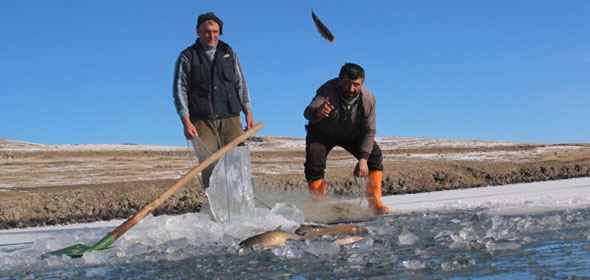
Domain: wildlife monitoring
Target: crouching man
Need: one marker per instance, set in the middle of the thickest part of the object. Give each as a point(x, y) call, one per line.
point(343, 114)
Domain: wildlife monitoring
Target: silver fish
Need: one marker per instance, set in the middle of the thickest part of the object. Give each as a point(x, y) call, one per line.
point(309, 229)
point(348, 229)
point(270, 238)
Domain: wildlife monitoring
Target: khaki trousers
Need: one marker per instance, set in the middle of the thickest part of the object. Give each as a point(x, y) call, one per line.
point(214, 134)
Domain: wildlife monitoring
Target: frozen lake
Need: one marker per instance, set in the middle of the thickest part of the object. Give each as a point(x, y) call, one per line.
point(522, 231)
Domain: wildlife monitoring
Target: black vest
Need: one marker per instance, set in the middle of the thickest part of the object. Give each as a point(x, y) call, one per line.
point(213, 86)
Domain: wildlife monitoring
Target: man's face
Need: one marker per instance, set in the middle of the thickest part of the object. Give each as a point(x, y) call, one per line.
point(208, 32)
point(350, 88)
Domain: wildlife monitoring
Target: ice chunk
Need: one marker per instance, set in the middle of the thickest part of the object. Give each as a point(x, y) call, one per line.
point(442, 235)
point(95, 257)
point(323, 248)
point(408, 238)
point(366, 243)
point(502, 246)
point(292, 249)
point(468, 234)
point(230, 191)
point(458, 242)
point(414, 264)
point(459, 264)
point(288, 211)
point(175, 245)
point(447, 266)
point(355, 258)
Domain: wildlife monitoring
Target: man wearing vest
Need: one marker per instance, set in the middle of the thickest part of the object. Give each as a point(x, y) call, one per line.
point(210, 91)
point(343, 114)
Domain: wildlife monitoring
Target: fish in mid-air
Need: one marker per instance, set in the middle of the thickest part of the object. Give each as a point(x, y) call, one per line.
point(322, 29)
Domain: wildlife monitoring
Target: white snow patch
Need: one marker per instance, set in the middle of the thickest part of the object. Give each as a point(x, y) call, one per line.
point(512, 199)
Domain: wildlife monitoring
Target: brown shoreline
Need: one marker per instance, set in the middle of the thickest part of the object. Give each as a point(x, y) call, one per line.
point(118, 194)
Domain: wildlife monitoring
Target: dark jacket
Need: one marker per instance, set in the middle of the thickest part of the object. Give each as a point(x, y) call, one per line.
point(359, 122)
point(212, 87)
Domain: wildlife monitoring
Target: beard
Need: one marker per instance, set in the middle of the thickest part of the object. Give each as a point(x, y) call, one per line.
point(350, 94)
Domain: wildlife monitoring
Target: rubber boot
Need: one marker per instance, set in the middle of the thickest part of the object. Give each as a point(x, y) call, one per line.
point(317, 189)
point(374, 192)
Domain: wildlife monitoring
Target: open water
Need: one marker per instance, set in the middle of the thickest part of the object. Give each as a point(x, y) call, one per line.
point(469, 244)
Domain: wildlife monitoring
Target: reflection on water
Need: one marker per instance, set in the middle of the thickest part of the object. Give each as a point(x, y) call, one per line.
point(470, 244)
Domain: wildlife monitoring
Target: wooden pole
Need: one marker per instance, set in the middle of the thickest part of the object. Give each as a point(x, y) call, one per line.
point(120, 230)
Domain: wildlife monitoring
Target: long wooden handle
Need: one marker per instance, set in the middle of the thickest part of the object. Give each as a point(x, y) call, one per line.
point(124, 227)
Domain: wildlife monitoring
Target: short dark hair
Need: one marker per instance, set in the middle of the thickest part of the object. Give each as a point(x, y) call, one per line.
point(352, 71)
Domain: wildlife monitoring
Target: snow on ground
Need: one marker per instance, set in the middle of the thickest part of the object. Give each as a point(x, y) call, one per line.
point(516, 199)
point(419, 142)
point(271, 142)
point(90, 147)
point(512, 199)
point(78, 169)
point(279, 143)
point(490, 156)
point(276, 143)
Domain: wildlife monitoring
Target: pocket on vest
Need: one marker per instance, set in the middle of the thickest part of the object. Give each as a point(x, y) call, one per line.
point(234, 103)
point(199, 103)
point(228, 73)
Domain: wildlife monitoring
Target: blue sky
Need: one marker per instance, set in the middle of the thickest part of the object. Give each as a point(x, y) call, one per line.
point(101, 71)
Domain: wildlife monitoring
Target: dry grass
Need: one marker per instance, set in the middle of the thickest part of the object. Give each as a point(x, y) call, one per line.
point(72, 183)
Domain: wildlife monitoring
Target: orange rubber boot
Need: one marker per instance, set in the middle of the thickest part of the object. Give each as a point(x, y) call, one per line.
point(317, 189)
point(374, 192)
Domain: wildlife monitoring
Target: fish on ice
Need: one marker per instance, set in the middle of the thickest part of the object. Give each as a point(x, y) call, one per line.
point(279, 238)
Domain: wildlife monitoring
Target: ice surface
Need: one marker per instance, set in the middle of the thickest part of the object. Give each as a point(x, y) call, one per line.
point(515, 199)
point(420, 237)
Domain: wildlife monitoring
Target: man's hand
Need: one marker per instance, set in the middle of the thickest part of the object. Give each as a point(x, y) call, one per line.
point(361, 169)
point(249, 119)
point(190, 131)
point(325, 109)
